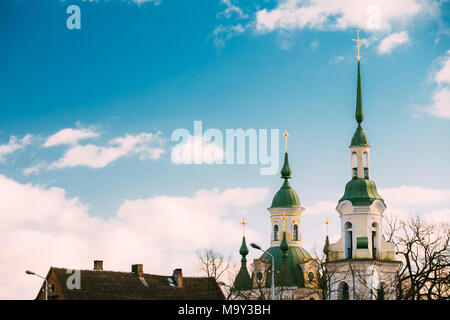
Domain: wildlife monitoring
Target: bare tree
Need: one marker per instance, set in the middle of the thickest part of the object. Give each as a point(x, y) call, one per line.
point(213, 264)
point(425, 253)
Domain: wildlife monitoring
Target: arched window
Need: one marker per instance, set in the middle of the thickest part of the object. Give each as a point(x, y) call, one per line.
point(343, 291)
point(380, 291)
point(295, 232)
point(348, 241)
point(354, 164)
point(366, 165)
point(311, 277)
point(259, 277)
point(374, 239)
point(276, 235)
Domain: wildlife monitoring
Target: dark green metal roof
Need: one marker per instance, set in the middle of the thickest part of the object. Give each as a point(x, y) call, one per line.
point(295, 256)
point(326, 247)
point(286, 196)
point(359, 138)
point(359, 114)
point(243, 280)
point(361, 191)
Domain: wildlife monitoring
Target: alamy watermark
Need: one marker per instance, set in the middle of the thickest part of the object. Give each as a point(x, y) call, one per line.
point(236, 146)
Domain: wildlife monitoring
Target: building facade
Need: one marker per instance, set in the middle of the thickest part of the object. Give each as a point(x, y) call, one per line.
point(361, 265)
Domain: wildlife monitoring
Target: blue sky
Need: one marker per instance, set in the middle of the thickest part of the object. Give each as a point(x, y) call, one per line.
point(151, 67)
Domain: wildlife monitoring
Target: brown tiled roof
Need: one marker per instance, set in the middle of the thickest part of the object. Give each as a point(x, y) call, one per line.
point(112, 285)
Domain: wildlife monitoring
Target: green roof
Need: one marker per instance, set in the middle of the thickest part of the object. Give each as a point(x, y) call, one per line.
point(361, 191)
point(286, 196)
point(295, 256)
point(243, 281)
point(359, 138)
point(326, 247)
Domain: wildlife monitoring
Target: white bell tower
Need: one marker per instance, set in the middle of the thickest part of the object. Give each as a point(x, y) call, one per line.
point(361, 264)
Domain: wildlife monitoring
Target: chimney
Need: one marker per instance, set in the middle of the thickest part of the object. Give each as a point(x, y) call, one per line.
point(178, 277)
point(98, 265)
point(138, 269)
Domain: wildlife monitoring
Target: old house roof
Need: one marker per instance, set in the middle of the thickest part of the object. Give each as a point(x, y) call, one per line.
point(113, 285)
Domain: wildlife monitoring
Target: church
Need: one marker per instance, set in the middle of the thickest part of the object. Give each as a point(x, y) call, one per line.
point(361, 265)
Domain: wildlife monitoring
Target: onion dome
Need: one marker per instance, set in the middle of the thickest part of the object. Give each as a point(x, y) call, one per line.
point(361, 191)
point(286, 196)
point(243, 280)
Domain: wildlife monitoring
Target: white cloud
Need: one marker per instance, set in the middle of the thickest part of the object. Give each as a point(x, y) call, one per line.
point(406, 200)
point(392, 41)
point(443, 75)
point(231, 10)
point(70, 136)
point(339, 15)
point(336, 59)
point(35, 169)
point(100, 156)
point(41, 227)
point(321, 207)
point(139, 2)
point(314, 45)
point(223, 33)
point(197, 151)
point(13, 145)
point(440, 106)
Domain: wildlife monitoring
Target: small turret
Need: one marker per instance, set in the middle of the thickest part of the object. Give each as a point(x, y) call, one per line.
point(243, 280)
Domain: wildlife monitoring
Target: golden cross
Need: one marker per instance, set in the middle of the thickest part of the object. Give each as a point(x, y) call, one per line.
point(358, 42)
point(286, 135)
point(284, 221)
point(243, 222)
point(327, 223)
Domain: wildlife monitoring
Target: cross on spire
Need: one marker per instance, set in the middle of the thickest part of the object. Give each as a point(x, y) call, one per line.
point(358, 42)
point(327, 223)
point(243, 222)
point(286, 135)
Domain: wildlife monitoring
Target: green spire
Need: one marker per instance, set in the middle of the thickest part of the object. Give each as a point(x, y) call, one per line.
point(286, 196)
point(284, 246)
point(359, 138)
point(243, 251)
point(326, 247)
point(243, 280)
point(286, 170)
point(359, 114)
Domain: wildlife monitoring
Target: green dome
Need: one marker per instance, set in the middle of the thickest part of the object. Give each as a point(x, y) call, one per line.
point(361, 192)
point(243, 280)
point(359, 138)
point(295, 256)
point(243, 251)
point(286, 196)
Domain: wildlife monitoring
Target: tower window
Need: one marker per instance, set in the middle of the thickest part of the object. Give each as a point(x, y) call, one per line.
point(276, 233)
point(259, 277)
point(354, 164)
point(366, 165)
point(374, 240)
point(295, 232)
point(311, 277)
point(348, 241)
point(380, 292)
point(343, 291)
